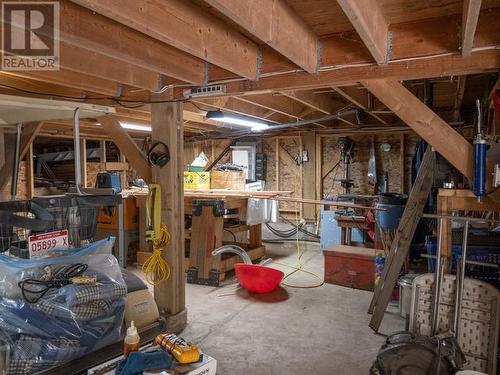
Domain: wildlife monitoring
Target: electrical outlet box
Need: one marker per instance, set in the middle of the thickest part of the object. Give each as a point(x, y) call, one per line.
point(204, 91)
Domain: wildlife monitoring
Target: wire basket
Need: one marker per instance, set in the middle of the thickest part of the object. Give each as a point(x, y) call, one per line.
point(77, 214)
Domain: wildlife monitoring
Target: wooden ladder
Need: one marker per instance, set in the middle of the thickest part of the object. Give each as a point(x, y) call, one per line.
point(402, 239)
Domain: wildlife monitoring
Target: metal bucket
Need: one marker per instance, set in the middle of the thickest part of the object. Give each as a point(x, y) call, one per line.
point(405, 290)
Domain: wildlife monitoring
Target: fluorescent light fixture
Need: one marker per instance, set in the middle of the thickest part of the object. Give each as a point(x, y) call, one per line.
point(138, 127)
point(254, 124)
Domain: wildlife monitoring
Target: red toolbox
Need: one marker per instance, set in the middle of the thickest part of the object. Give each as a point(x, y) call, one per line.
point(350, 266)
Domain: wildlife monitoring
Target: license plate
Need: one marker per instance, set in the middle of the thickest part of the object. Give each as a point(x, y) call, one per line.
point(41, 244)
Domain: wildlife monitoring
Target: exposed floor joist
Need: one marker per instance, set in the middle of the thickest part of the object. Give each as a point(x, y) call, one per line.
point(187, 27)
point(367, 18)
point(94, 32)
point(471, 11)
point(274, 23)
point(275, 103)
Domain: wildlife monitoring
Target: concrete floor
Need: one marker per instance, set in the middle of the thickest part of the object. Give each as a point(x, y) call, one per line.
point(290, 331)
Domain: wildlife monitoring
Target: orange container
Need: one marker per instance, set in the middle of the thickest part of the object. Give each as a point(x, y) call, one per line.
point(108, 216)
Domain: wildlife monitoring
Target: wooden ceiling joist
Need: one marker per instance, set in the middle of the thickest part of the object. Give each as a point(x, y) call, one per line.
point(275, 103)
point(367, 18)
point(470, 16)
point(93, 32)
point(316, 102)
point(62, 77)
point(187, 27)
point(234, 106)
point(358, 104)
point(276, 24)
point(459, 98)
point(96, 64)
point(436, 66)
point(427, 124)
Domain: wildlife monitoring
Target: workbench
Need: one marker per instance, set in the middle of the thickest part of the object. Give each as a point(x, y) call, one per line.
point(207, 212)
point(346, 223)
point(207, 232)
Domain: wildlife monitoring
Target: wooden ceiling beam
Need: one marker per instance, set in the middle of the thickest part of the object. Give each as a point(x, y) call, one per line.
point(276, 24)
point(427, 124)
point(320, 103)
point(345, 94)
point(438, 66)
point(420, 39)
point(367, 18)
point(96, 64)
point(470, 16)
point(75, 84)
point(127, 146)
point(277, 104)
point(83, 28)
point(459, 98)
point(187, 27)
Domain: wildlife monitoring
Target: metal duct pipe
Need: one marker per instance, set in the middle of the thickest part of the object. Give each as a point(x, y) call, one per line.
point(311, 121)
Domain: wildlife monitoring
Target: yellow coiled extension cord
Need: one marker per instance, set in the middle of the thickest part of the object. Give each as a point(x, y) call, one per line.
point(156, 268)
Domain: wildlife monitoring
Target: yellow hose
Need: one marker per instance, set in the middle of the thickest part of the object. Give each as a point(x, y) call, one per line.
point(156, 268)
point(298, 267)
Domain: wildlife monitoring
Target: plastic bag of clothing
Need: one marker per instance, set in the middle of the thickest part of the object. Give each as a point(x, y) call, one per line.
point(45, 320)
point(260, 211)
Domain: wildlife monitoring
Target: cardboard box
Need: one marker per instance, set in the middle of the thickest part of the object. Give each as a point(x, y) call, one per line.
point(232, 180)
point(197, 180)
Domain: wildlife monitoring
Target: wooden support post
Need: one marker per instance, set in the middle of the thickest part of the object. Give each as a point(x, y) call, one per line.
point(167, 126)
point(123, 174)
point(29, 133)
point(206, 235)
point(30, 174)
point(255, 239)
point(83, 161)
point(402, 162)
point(277, 156)
point(319, 172)
point(102, 151)
point(309, 174)
point(444, 208)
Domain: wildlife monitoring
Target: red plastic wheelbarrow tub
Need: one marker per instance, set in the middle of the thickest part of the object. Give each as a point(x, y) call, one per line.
point(258, 279)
